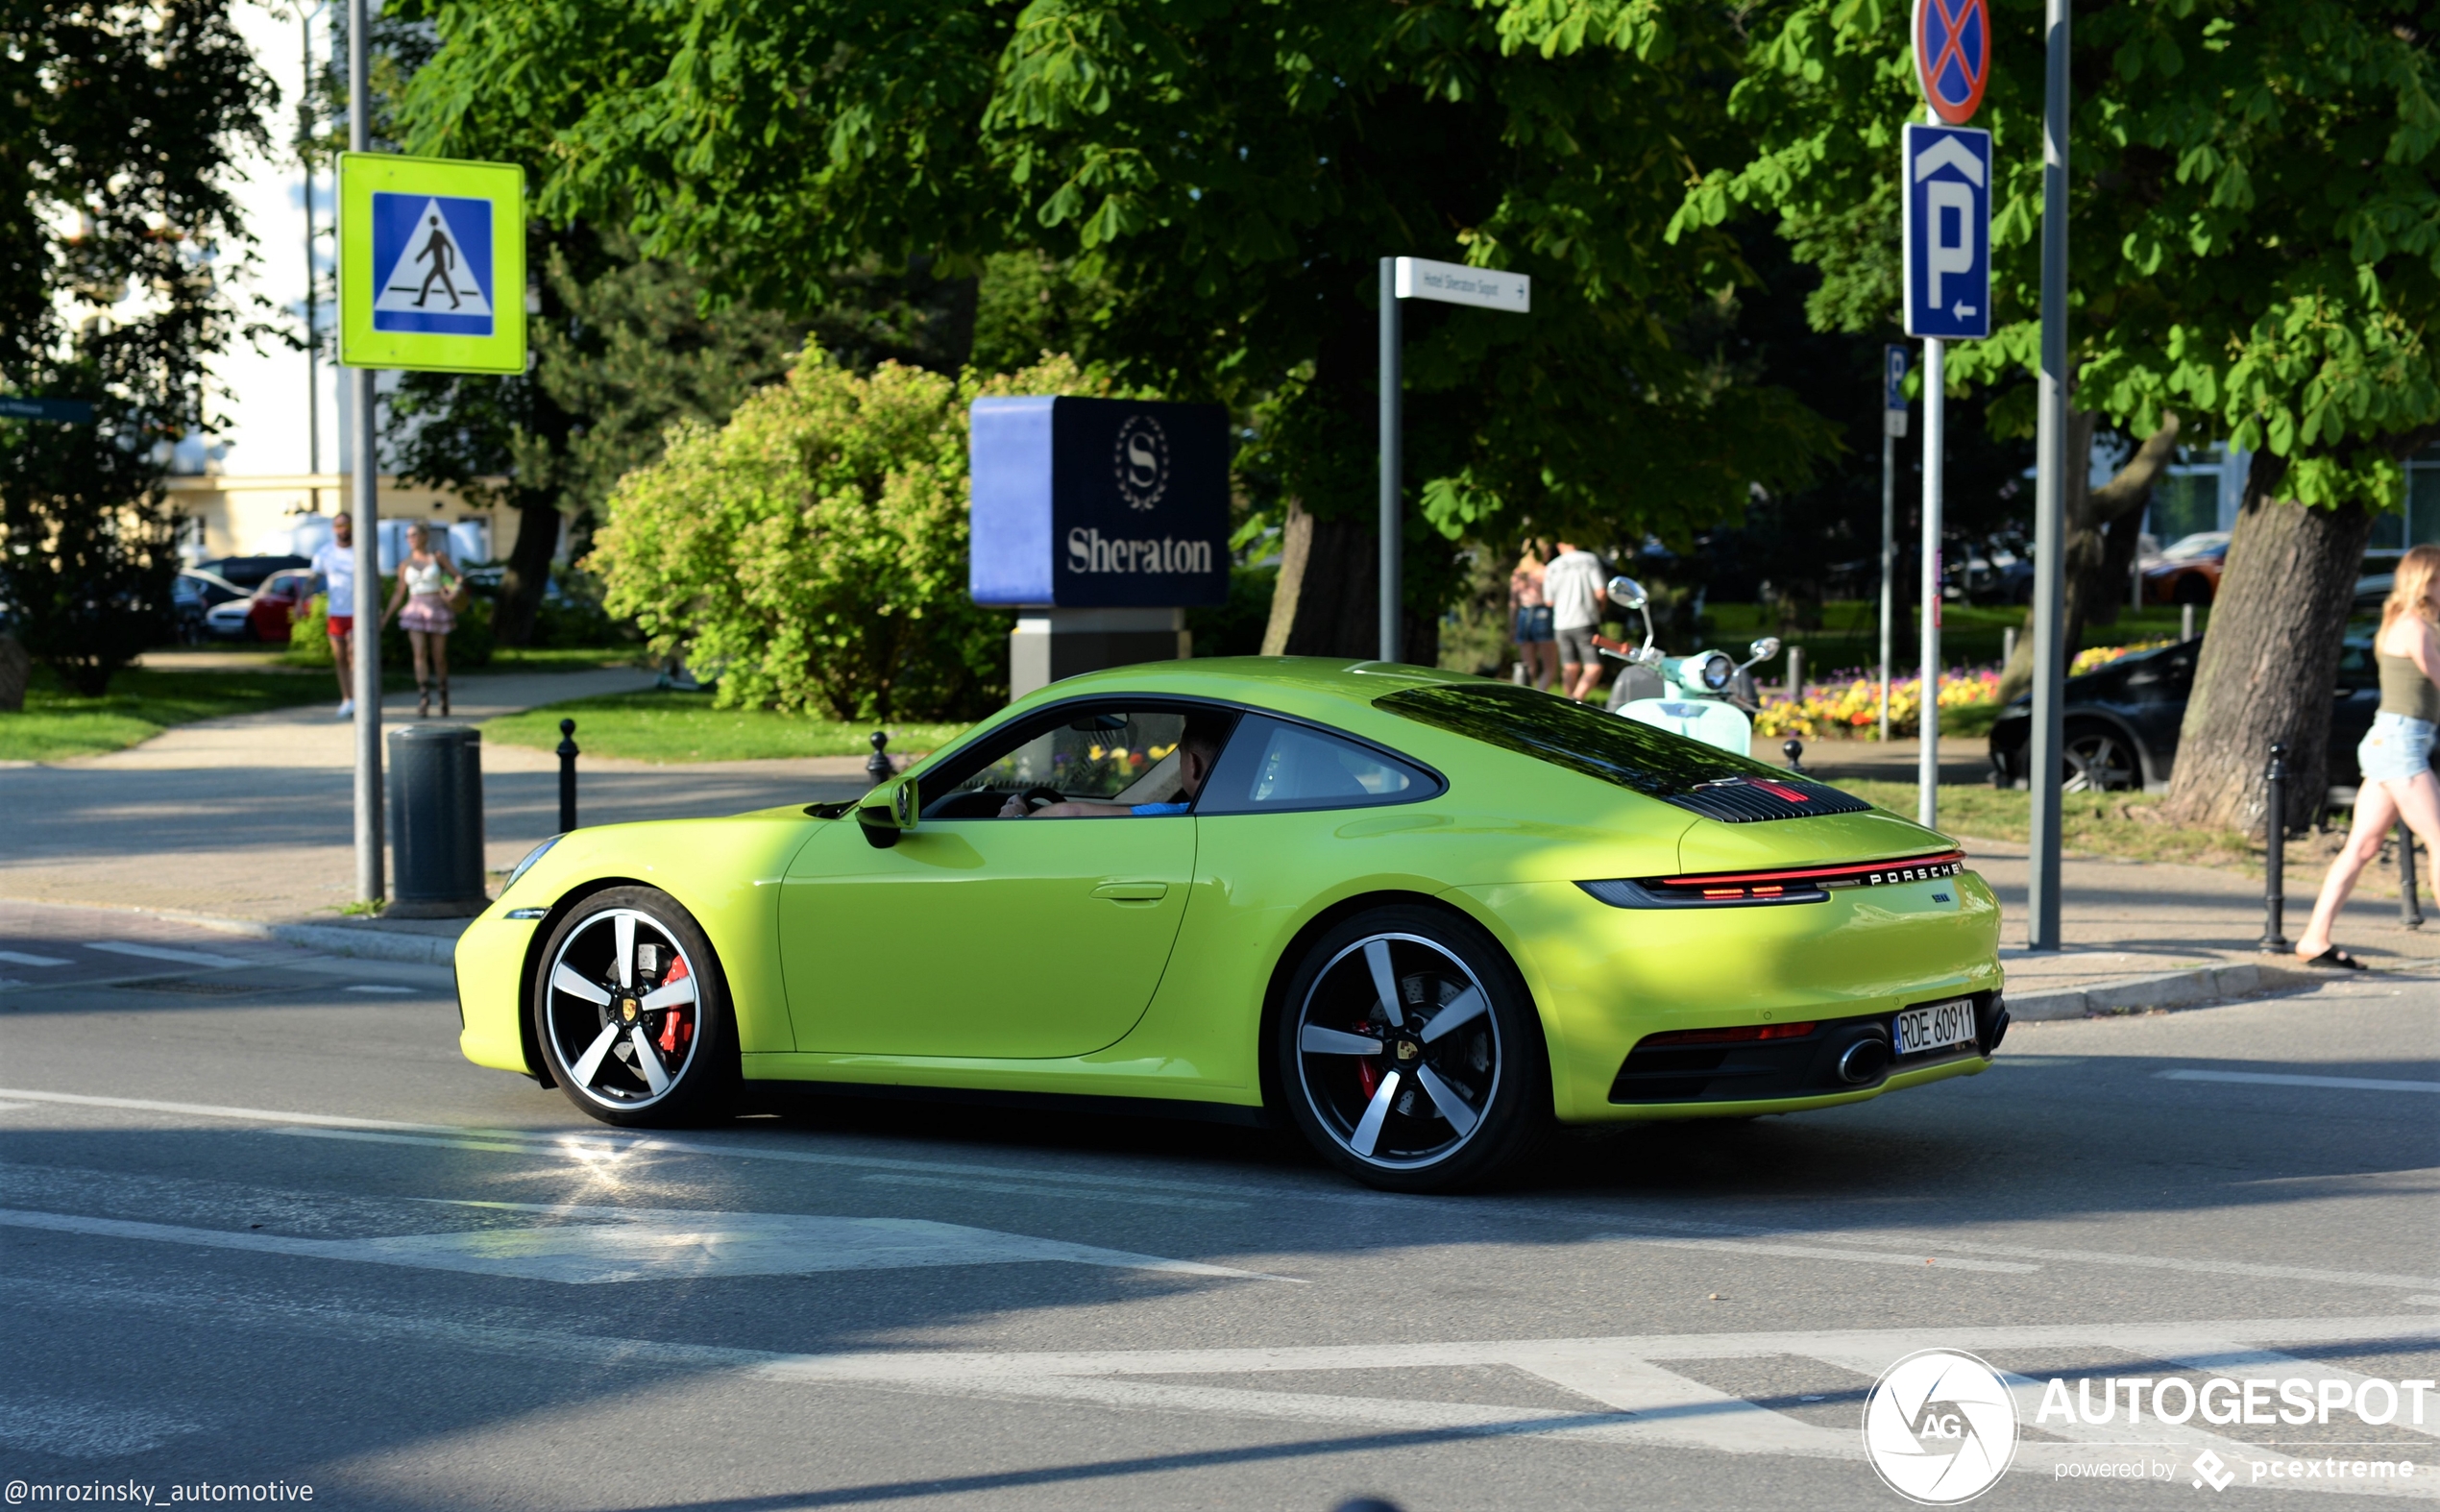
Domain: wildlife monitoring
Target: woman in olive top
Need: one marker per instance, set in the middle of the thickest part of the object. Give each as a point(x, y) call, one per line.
point(2396, 755)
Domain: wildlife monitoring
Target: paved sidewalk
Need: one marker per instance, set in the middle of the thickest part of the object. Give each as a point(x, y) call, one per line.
point(251, 818)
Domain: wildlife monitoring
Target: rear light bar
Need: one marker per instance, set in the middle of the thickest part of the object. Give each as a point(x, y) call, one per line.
point(1785, 885)
point(1745, 1035)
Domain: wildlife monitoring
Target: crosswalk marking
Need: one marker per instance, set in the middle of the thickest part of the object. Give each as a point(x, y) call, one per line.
point(188, 958)
point(19, 958)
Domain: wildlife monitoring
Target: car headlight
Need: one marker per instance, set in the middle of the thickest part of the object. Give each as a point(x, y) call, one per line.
point(527, 865)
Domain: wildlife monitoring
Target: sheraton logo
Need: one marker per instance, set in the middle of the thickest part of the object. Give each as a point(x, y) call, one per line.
point(1089, 550)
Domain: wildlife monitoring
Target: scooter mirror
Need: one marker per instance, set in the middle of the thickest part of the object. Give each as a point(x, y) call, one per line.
point(1764, 649)
point(1628, 594)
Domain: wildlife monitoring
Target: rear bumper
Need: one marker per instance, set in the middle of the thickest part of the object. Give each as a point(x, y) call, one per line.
point(1839, 1058)
point(1604, 978)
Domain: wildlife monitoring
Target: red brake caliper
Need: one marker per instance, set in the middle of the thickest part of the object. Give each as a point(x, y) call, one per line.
point(674, 1025)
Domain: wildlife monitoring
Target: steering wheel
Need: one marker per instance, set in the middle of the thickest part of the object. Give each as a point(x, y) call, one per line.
point(1040, 798)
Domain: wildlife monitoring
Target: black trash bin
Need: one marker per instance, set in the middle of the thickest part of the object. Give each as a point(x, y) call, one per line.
point(436, 821)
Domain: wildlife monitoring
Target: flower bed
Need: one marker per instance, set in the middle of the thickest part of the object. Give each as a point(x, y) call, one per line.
point(1850, 705)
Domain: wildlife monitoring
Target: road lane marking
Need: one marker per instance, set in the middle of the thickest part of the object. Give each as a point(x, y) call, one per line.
point(1814, 1252)
point(2344, 1083)
point(593, 1146)
point(626, 1244)
point(1048, 1189)
point(18, 958)
point(192, 958)
point(382, 989)
point(1633, 1399)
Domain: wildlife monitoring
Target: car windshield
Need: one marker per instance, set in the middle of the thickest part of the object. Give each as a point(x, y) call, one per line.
point(1632, 755)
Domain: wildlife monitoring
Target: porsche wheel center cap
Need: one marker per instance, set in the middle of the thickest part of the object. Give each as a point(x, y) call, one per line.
point(1406, 1050)
point(628, 1008)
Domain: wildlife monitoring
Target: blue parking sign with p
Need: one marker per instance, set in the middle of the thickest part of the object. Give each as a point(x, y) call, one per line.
point(1947, 177)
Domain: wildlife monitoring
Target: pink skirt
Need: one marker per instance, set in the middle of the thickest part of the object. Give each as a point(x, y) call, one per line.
point(429, 614)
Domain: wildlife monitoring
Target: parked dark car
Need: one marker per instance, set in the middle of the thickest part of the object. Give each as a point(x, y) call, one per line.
point(194, 593)
point(248, 572)
point(265, 615)
point(2122, 720)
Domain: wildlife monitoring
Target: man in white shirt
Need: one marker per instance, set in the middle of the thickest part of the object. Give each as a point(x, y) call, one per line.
point(1573, 584)
point(335, 572)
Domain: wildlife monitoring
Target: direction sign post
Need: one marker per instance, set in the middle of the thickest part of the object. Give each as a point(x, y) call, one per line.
point(432, 276)
point(1892, 427)
point(1947, 220)
point(1447, 283)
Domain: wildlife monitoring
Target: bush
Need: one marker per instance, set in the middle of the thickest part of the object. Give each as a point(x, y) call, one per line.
point(812, 552)
point(470, 645)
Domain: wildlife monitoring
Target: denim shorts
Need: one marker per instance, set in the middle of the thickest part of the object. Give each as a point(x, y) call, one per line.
point(1533, 624)
point(2396, 746)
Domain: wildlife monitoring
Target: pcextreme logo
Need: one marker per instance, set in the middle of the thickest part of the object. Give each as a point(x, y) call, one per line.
point(1939, 1428)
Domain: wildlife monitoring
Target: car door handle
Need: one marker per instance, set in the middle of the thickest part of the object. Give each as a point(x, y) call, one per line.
point(1133, 892)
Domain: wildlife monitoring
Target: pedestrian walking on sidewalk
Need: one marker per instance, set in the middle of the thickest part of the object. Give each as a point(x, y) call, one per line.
point(2396, 753)
point(1572, 583)
point(1537, 644)
point(428, 616)
point(335, 573)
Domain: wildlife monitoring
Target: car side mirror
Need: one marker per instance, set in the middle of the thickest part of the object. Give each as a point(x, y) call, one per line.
point(889, 811)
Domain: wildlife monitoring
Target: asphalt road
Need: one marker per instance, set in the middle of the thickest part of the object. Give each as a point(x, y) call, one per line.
point(259, 1224)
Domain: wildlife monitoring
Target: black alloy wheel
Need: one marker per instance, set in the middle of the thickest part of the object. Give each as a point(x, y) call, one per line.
point(1409, 1054)
point(631, 1013)
point(2099, 759)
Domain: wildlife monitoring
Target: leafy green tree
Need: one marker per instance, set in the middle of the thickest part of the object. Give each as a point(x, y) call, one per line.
point(117, 239)
point(2255, 245)
point(1224, 173)
point(812, 552)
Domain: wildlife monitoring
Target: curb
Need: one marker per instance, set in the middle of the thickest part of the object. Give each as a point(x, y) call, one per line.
point(2206, 986)
point(365, 943)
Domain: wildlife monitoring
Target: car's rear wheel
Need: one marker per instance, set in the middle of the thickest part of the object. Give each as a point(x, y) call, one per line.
point(631, 1013)
point(2099, 759)
point(1409, 1054)
point(2193, 587)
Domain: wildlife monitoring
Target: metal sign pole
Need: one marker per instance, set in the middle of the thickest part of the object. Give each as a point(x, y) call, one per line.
point(2047, 747)
point(1392, 526)
point(1892, 427)
point(367, 640)
point(1927, 797)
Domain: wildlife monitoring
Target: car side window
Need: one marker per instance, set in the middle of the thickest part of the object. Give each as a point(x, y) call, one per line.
point(1273, 766)
point(1113, 753)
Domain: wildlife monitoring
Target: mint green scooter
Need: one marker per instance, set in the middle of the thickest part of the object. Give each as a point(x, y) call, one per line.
point(1700, 705)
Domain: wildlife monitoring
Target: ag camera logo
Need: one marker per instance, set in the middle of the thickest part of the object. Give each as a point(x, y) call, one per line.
point(1142, 459)
point(1939, 1428)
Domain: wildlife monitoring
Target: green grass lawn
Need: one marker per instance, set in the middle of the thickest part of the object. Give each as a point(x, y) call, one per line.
point(140, 705)
point(684, 727)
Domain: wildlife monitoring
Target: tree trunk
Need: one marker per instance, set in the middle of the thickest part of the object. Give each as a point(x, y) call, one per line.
point(529, 575)
point(2100, 549)
point(15, 668)
point(2269, 659)
point(1330, 586)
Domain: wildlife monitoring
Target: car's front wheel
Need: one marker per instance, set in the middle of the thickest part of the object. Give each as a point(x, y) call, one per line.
point(1409, 1052)
point(630, 1011)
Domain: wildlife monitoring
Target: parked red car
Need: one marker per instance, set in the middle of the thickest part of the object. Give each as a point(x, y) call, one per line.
point(267, 615)
point(2188, 572)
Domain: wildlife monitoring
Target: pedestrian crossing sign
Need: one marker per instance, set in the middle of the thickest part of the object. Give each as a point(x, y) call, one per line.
point(431, 264)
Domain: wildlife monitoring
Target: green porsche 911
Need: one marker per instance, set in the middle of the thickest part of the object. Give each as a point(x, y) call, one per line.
point(1425, 916)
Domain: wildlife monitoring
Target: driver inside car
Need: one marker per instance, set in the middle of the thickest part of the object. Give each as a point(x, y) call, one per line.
point(1198, 751)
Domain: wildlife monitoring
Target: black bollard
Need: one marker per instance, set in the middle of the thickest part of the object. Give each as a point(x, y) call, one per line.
point(2274, 941)
point(567, 775)
point(1795, 751)
point(2409, 906)
point(877, 766)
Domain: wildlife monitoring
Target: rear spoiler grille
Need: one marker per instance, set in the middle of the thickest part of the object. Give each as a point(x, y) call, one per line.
point(1748, 800)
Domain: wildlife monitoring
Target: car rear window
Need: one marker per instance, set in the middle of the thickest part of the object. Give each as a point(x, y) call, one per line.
point(1653, 762)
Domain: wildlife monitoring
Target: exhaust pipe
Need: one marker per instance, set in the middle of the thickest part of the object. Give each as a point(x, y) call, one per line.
point(1863, 1060)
